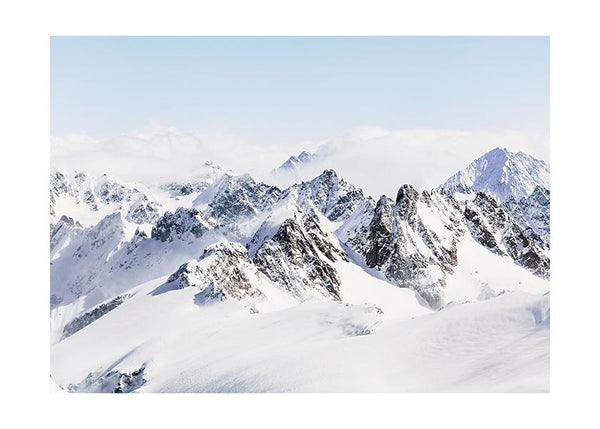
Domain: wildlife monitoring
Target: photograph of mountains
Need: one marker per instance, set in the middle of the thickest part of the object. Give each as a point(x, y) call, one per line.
point(299, 214)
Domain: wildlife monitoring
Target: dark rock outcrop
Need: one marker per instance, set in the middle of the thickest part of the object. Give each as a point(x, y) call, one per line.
point(92, 315)
point(401, 243)
point(224, 271)
point(113, 381)
point(240, 197)
point(179, 225)
point(493, 227)
point(298, 258)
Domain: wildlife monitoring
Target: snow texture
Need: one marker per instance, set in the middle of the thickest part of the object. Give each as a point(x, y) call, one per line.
point(221, 283)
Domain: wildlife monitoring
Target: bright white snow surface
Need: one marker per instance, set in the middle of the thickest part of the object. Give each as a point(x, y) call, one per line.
point(482, 275)
point(500, 344)
point(378, 339)
point(493, 335)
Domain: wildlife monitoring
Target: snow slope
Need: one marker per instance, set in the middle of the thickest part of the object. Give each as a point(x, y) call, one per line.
point(482, 275)
point(166, 343)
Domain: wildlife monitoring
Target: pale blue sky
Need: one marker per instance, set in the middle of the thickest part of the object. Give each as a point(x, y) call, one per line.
point(290, 89)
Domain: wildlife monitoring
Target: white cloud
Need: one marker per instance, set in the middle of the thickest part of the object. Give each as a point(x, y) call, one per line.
point(157, 153)
point(373, 158)
point(380, 161)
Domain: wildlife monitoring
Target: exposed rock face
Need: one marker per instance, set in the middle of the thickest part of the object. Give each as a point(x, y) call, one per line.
point(239, 197)
point(90, 200)
point(524, 251)
point(88, 317)
point(533, 215)
point(182, 189)
point(61, 185)
point(183, 224)
point(298, 258)
point(61, 231)
point(111, 382)
point(102, 238)
point(321, 240)
point(492, 226)
point(409, 250)
point(58, 183)
point(484, 218)
point(143, 211)
point(110, 192)
point(223, 271)
point(380, 246)
point(331, 195)
point(411, 240)
point(80, 190)
point(84, 255)
point(58, 186)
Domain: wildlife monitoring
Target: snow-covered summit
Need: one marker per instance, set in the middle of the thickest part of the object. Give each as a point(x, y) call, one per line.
point(294, 163)
point(224, 271)
point(335, 198)
point(501, 173)
point(88, 199)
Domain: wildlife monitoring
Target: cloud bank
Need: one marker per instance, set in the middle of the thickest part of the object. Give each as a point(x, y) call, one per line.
point(376, 159)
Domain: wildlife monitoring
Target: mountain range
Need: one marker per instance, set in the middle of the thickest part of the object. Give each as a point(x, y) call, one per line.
point(155, 286)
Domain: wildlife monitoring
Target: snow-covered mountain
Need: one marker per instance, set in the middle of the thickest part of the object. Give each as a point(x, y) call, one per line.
point(501, 173)
point(532, 213)
point(294, 163)
point(87, 201)
point(319, 257)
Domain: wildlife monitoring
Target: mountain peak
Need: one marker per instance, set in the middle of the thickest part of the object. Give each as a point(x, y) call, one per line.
point(406, 191)
point(305, 156)
point(498, 150)
point(294, 163)
point(501, 173)
point(329, 173)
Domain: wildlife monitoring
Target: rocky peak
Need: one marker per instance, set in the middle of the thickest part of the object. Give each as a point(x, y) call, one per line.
point(410, 251)
point(294, 163)
point(69, 222)
point(380, 233)
point(61, 231)
point(96, 194)
point(335, 198)
point(306, 156)
point(383, 214)
point(406, 201)
point(298, 258)
point(533, 215)
point(58, 183)
point(142, 210)
point(224, 271)
point(493, 226)
point(237, 197)
point(179, 225)
point(406, 192)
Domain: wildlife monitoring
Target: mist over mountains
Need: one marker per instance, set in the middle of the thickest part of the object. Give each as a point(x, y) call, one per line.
point(372, 158)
